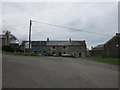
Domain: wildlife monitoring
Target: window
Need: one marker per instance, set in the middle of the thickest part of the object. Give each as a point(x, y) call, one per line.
point(64, 52)
point(53, 47)
point(35, 51)
point(53, 52)
point(82, 45)
point(64, 47)
point(34, 45)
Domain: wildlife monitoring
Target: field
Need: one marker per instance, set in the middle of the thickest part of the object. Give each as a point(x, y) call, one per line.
point(104, 59)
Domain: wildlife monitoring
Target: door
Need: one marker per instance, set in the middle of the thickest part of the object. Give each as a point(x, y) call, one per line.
point(44, 52)
point(59, 53)
point(79, 54)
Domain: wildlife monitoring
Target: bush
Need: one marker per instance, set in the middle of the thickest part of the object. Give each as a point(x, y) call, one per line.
point(7, 48)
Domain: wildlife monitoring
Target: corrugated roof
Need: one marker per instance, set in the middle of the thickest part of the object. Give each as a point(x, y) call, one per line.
point(41, 43)
point(99, 46)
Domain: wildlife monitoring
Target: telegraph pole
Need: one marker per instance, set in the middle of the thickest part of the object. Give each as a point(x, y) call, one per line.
point(30, 34)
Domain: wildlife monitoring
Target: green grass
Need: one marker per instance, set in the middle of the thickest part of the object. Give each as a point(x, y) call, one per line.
point(24, 54)
point(18, 53)
point(104, 59)
point(99, 59)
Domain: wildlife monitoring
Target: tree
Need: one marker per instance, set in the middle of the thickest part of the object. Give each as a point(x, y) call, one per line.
point(11, 41)
point(10, 37)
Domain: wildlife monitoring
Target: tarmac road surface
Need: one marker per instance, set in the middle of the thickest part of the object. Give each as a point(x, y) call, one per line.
point(56, 72)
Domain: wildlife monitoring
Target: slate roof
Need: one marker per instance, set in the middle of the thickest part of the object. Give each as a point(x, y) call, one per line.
point(56, 43)
point(116, 36)
point(2, 36)
point(64, 43)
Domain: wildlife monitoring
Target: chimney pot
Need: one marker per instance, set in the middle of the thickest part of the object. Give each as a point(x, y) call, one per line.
point(48, 39)
point(70, 39)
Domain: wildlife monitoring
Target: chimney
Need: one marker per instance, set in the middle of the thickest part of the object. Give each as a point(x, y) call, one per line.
point(47, 39)
point(69, 39)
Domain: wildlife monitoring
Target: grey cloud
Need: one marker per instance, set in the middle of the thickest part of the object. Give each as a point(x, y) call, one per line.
point(94, 17)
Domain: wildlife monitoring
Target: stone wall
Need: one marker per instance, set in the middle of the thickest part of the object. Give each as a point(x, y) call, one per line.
point(111, 48)
point(60, 50)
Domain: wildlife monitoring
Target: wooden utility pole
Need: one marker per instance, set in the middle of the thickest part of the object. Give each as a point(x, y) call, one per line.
point(30, 35)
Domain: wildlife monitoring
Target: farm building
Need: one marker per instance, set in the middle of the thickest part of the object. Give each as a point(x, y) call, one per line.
point(57, 48)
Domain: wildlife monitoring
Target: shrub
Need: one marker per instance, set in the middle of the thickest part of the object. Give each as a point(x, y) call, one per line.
point(7, 48)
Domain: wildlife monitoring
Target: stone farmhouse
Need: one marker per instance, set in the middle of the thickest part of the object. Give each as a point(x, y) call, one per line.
point(57, 48)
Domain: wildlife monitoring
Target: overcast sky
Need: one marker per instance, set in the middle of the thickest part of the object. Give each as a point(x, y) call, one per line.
point(99, 17)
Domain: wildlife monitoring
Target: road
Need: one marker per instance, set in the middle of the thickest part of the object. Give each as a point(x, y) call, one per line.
point(0, 71)
point(57, 72)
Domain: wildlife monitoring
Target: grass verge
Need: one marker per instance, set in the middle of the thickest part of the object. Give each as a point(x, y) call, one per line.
point(104, 59)
point(18, 53)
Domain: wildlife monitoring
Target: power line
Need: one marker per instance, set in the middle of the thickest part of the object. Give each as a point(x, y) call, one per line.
point(70, 28)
